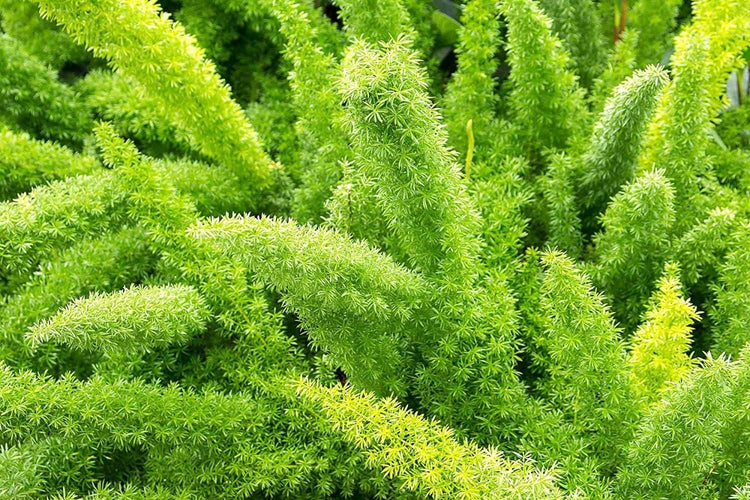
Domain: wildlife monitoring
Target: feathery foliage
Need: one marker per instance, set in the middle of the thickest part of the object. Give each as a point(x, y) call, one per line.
point(374, 249)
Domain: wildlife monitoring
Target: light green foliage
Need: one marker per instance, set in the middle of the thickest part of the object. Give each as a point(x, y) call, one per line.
point(33, 99)
point(619, 66)
point(677, 444)
point(133, 319)
point(701, 250)
point(409, 447)
point(734, 462)
point(577, 25)
point(587, 375)
point(99, 264)
point(51, 216)
point(39, 37)
point(19, 466)
point(399, 143)
point(545, 101)
point(178, 430)
point(352, 301)
point(26, 162)
point(322, 140)
point(562, 213)
point(654, 21)
point(501, 198)
point(742, 493)
point(634, 244)
point(124, 103)
point(374, 20)
point(610, 159)
point(678, 135)
point(658, 353)
point(730, 312)
point(190, 93)
point(372, 297)
point(470, 93)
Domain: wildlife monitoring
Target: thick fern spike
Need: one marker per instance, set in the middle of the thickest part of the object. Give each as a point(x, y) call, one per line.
point(422, 454)
point(137, 40)
point(353, 301)
point(676, 446)
point(610, 160)
point(633, 246)
point(587, 371)
point(401, 146)
point(659, 348)
point(546, 103)
point(134, 319)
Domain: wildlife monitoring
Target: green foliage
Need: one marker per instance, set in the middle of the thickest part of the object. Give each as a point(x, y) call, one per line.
point(577, 25)
point(730, 311)
point(610, 159)
point(423, 454)
point(545, 101)
point(33, 99)
point(587, 371)
point(660, 465)
point(658, 354)
point(654, 21)
point(26, 163)
point(418, 249)
point(470, 93)
point(634, 244)
point(190, 94)
point(136, 318)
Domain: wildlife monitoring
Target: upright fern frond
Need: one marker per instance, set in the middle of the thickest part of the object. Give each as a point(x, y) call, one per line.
point(564, 223)
point(587, 371)
point(578, 26)
point(633, 246)
point(470, 93)
point(546, 103)
point(610, 159)
point(654, 21)
point(399, 143)
point(658, 355)
point(375, 20)
point(730, 312)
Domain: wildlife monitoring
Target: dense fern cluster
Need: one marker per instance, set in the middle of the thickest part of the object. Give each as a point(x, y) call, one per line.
point(379, 249)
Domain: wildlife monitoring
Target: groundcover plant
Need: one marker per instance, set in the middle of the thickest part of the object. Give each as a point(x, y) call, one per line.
point(375, 249)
